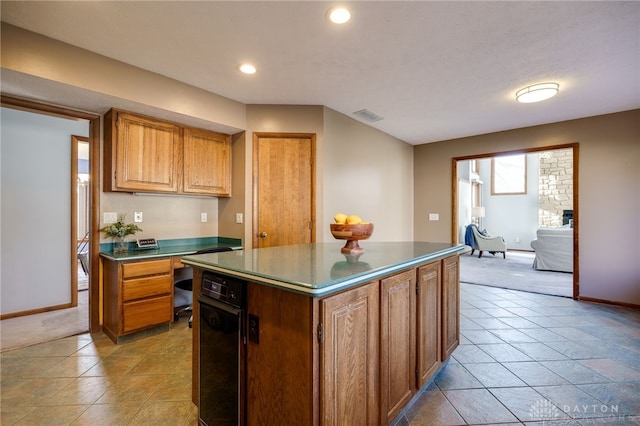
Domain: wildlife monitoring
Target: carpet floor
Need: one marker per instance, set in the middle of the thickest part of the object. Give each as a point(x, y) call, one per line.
point(515, 272)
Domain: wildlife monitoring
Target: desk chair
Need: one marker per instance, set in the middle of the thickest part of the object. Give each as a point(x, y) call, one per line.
point(183, 290)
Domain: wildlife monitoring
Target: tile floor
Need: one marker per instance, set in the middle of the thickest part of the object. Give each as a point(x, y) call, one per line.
point(88, 380)
point(524, 358)
point(533, 359)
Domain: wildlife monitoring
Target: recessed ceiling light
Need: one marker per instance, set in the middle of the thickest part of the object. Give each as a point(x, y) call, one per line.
point(338, 15)
point(247, 69)
point(537, 92)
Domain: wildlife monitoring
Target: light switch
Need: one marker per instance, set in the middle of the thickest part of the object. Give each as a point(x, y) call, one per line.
point(239, 218)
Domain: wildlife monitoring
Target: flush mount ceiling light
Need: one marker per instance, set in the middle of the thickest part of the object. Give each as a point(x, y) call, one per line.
point(537, 92)
point(247, 69)
point(338, 15)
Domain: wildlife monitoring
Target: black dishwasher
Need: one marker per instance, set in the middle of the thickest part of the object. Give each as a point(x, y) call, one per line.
point(222, 306)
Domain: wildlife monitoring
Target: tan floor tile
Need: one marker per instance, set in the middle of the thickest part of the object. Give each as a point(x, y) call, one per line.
point(10, 414)
point(83, 390)
point(52, 416)
point(73, 366)
point(175, 387)
point(100, 348)
point(113, 365)
point(28, 367)
point(108, 414)
point(179, 345)
point(158, 364)
point(30, 392)
point(165, 413)
point(141, 346)
point(62, 347)
point(130, 388)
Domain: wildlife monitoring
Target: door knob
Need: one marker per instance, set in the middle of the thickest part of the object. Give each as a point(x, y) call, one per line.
point(263, 235)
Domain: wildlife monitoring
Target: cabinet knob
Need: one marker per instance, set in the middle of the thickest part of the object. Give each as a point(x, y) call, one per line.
point(263, 235)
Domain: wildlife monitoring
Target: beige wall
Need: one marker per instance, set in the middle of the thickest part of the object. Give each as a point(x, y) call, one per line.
point(59, 73)
point(368, 173)
point(608, 193)
point(35, 55)
point(228, 207)
point(354, 173)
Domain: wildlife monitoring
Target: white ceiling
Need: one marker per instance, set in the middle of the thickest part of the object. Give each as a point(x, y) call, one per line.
point(433, 70)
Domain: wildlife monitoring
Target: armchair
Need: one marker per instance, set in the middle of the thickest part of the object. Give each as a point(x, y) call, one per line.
point(482, 242)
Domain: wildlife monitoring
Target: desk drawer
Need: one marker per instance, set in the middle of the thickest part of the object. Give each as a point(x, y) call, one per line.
point(146, 287)
point(145, 313)
point(149, 267)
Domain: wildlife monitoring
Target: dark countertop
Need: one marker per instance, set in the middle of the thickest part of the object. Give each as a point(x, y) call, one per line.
point(318, 269)
point(176, 247)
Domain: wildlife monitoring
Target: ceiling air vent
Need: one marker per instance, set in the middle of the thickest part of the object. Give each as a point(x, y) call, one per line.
point(365, 114)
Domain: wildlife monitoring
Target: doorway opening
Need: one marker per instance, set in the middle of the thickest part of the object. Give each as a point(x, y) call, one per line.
point(54, 313)
point(80, 187)
point(521, 196)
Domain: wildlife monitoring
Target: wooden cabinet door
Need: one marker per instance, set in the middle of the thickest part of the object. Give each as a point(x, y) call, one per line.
point(429, 322)
point(284, 197)
point(349, 357)
point(146, 154)
point(207, 163)
point(397, 343)
point(450, 305)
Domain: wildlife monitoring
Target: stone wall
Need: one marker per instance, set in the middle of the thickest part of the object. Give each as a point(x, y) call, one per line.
point(556, 186)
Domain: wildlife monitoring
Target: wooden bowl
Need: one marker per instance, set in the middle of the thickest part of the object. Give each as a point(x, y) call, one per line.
point(351, 233)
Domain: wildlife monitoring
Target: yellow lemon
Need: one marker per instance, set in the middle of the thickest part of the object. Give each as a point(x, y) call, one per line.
point(353, 220)
point(340, 218)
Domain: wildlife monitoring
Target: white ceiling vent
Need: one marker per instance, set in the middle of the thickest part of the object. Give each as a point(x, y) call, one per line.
point(365, 114)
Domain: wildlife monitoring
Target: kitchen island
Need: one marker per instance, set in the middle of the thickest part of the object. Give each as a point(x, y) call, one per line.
point(336, 338)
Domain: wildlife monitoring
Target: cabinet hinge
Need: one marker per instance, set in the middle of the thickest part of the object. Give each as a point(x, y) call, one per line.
point(320, 334)
point(310, 224)
point(417, 289)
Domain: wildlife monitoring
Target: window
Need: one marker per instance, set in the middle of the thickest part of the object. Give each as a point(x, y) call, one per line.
point(509, 175)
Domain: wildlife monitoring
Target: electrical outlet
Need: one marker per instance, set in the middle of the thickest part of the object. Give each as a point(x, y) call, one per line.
point(239, 218)
point(137, 217)
point(110, 217)
point(434, 216)
point(203, 217)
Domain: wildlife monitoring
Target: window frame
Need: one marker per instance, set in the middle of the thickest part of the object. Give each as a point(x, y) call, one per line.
point(521, 189)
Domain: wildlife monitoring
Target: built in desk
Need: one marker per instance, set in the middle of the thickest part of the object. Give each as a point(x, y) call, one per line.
point(138, 286)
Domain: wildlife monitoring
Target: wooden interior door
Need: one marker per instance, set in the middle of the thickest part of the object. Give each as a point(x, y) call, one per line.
point(283, 182)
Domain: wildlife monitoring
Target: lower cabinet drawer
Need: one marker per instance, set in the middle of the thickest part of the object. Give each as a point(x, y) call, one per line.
point(146, 287)
point(149, 267)
point(145, 313)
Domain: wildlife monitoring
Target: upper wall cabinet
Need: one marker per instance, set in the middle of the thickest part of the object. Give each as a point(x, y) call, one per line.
point(207, 163)
point(143, 154)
